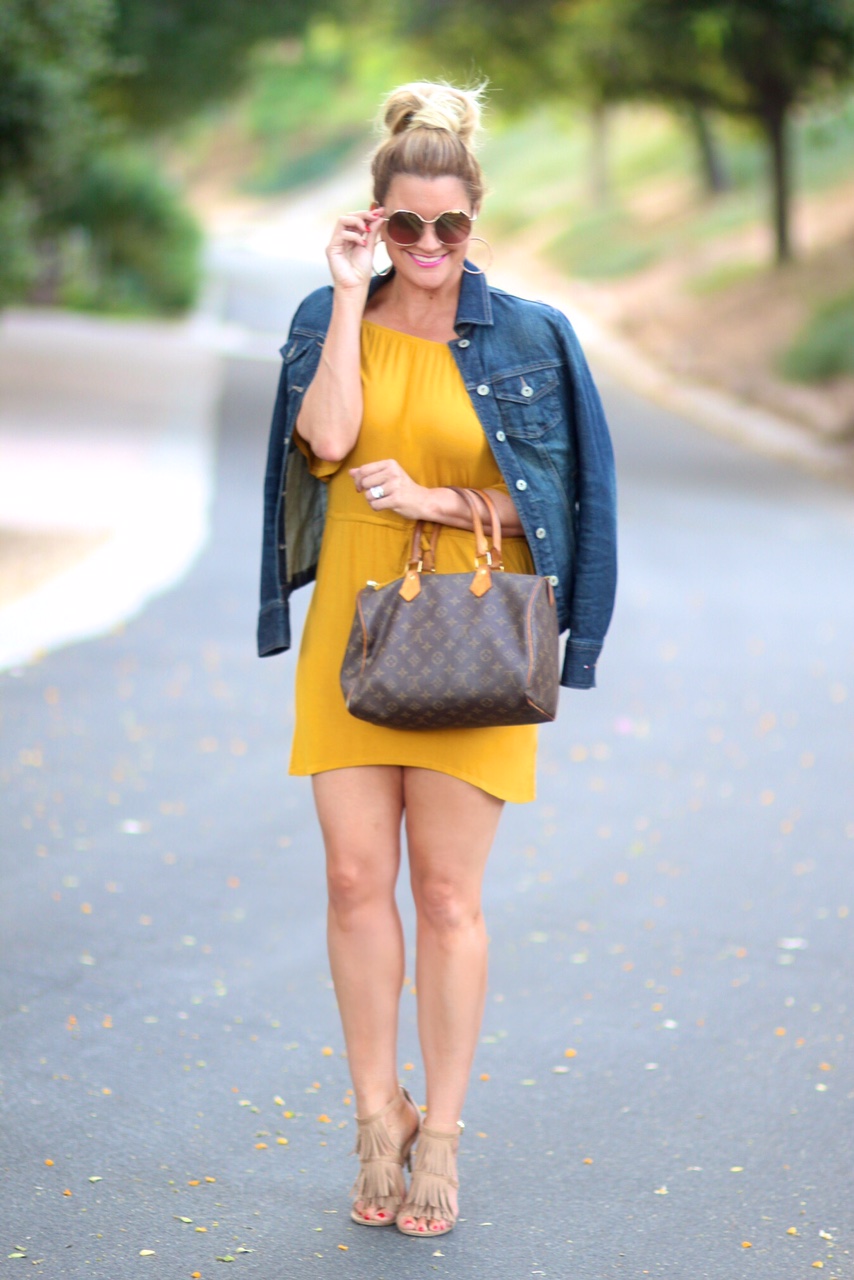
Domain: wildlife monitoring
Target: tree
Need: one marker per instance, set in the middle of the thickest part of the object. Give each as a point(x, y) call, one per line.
point(757, 59)
point(760, 59)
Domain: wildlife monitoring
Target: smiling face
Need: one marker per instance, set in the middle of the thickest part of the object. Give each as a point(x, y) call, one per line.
point(429, 264)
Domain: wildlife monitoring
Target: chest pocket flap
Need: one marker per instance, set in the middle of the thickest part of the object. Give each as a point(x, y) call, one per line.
point(529, 401)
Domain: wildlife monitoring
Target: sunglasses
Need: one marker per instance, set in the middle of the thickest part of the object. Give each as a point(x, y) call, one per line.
point(452, 227)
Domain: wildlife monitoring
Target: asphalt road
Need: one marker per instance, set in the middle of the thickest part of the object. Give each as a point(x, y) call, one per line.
point(665, 1083)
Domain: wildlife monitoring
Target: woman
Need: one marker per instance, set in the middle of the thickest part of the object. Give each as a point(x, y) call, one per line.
point(392, 389)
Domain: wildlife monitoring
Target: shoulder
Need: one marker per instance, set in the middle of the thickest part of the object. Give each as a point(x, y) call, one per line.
point(531, 322)
point(314, 312)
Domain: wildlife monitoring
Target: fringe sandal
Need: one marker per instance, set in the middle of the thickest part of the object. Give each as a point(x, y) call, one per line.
point(434, 1173)
point(380, 1180)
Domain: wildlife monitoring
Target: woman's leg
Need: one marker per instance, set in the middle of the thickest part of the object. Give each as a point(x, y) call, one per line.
point(450, 826)
point(360, 812)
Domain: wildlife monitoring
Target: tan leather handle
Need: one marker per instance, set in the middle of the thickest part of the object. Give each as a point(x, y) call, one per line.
point(497, 558)
point(481, 546)
point(482, 580)
point(429, 555)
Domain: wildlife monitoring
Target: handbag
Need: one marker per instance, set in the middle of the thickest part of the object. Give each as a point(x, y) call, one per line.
point(454, 650)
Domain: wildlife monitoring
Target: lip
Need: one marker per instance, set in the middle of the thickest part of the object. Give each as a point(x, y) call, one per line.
point(427, 263)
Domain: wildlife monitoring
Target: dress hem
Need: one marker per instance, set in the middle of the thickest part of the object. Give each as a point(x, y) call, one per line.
point(514, 798)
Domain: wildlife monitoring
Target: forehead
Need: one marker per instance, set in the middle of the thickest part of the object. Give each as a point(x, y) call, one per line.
point(427, 196)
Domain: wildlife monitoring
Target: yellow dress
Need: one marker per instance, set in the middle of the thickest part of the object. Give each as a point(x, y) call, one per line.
point(417, 411)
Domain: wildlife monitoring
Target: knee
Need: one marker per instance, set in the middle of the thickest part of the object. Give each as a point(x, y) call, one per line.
point(353, 889)
point(444, 908)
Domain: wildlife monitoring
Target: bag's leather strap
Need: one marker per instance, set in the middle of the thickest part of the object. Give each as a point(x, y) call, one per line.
point(495, 533)
point(486, 558)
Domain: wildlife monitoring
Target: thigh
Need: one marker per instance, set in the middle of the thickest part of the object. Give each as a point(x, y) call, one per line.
point(450, 827)
point(360, 811)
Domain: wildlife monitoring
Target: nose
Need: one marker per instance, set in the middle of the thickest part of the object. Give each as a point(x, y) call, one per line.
point(429, 239)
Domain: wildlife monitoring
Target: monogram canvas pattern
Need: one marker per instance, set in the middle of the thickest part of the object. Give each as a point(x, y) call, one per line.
point(448, 659)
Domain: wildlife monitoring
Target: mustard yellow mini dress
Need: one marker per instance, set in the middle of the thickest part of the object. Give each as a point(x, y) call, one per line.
point(417, 411)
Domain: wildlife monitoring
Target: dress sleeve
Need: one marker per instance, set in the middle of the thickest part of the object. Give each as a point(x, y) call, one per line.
point(317, 466)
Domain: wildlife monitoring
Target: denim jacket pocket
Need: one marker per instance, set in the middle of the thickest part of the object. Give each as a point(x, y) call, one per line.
point(529, 401)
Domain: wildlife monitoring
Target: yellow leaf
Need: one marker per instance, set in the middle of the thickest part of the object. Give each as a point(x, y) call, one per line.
point(260, 1146)
point(327, 1052)
point(280, 1102)
point(146, 1253)
point(208, 1178)
point(343, 1247)
point(570, 1053)
point(745, 1244)
point(791, 1231)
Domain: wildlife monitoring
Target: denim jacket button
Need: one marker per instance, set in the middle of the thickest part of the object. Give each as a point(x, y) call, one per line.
point(464, 342)
point(483, 389)
point(553, 579)
point(521, 485)
point(527, 391)
point(541, 533)
point(499, 435)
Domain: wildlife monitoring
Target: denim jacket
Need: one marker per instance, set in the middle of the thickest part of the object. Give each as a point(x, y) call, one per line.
point(532, 391)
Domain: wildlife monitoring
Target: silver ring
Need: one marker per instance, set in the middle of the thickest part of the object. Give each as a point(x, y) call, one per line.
point(377, 491)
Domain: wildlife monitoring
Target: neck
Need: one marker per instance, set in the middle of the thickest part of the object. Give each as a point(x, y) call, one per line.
point(423, 308)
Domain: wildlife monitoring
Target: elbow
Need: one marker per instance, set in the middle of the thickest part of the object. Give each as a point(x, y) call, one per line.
point(329, 450)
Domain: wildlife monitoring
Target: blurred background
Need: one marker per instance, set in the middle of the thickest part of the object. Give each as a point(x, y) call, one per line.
point(689, 163)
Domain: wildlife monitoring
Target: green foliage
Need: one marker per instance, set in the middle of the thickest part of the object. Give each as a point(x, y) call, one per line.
point(825, 348)
point(51, 55)
point(310, 104)
point(126, 242)
point(174, 57)
point(18, 262)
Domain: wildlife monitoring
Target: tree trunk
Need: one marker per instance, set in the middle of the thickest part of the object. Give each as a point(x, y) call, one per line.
point(775, 122)
point(600, 168)
point(715, 177)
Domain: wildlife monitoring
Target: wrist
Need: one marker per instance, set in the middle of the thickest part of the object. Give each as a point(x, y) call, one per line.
point(349, 298)
point(438, 504)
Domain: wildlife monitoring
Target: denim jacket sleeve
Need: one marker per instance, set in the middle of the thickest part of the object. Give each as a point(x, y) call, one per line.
point(595, 515)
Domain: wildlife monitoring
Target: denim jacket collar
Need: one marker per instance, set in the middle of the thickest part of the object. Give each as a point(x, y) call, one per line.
point(474, 305)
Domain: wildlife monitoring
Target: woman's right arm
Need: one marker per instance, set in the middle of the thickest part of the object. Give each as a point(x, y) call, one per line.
point(331, 413)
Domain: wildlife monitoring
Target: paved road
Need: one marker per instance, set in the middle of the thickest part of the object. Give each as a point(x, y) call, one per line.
point(667, 1036)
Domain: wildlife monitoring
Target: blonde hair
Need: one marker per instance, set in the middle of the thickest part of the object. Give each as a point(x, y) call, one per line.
point(430, 130)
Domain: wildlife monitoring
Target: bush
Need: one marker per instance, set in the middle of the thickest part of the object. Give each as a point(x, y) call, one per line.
point(825, 347)
point(125, 241)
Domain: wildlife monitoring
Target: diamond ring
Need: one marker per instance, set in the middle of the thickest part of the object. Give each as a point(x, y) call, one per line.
point(377, 491)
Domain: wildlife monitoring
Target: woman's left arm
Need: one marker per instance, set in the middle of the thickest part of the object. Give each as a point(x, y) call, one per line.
point(413, 501)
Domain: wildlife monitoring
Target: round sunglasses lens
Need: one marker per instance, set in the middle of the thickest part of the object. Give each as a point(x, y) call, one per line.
point(405, 228)
point(453, 228)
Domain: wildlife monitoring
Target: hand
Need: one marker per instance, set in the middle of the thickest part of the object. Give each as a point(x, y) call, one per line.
point(350, 252)
point(400, 493)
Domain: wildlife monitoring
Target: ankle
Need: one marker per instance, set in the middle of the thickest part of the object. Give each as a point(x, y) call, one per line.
point(439, 1123)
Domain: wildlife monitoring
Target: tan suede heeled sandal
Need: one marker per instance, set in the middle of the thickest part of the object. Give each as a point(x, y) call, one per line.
point(433, 1174)
point(380, 1180)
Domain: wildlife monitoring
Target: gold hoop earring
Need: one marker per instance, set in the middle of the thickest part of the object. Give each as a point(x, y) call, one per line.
point(482, 270)
point(386, 270)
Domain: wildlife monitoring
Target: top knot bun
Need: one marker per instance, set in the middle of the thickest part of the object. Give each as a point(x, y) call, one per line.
point(429, 131)
point(425, 105)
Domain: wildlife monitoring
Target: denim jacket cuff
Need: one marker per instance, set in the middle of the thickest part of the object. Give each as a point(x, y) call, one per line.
point(579, 664)
point(274, 632)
